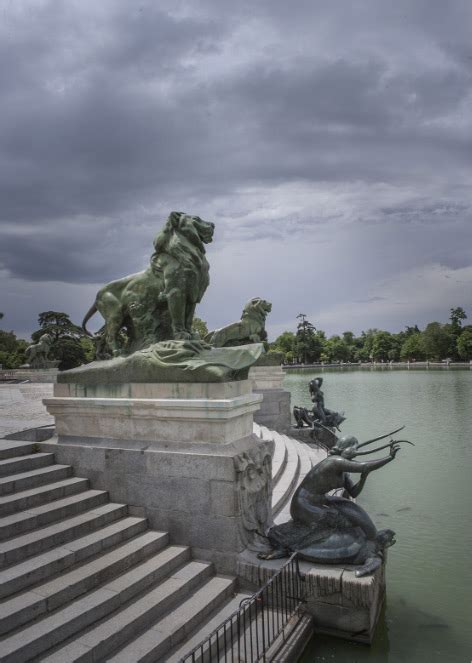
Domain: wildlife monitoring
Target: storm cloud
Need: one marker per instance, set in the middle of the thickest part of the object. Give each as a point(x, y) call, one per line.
point(330, 144)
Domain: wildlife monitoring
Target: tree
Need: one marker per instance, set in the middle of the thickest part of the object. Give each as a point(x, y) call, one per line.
point(67, 347)
point(457, 315)
point(456, 318)
point(12, 350)
point(304, 347)
point(412, 348)
point(436, 339)
point(384, 346)
point(58, 324)
point(285, 343)
point(464, 344)
point(200, 326)
point(337, 349)
point(70, 353)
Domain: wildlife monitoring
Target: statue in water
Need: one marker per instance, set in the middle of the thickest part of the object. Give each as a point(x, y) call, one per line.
point(333, 529)
point(319, 415)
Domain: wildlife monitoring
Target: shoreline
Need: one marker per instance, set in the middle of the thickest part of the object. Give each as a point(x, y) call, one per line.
point(399, 365)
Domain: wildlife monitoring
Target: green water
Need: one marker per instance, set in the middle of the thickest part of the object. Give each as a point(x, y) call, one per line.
point(425, 495)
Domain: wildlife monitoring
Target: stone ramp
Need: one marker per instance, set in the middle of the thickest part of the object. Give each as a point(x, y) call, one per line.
point(82, 579)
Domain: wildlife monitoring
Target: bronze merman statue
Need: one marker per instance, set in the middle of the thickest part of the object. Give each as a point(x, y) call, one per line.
point(332, 529)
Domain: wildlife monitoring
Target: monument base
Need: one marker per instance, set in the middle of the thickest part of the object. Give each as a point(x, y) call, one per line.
point(275, 410)
point(33, 374)
point(180, 454)
point(341, 604)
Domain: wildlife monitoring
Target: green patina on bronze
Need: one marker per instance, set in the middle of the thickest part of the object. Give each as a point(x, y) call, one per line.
point(170, 361)
point(148, 337)
point(250, 329)
point(159, 303)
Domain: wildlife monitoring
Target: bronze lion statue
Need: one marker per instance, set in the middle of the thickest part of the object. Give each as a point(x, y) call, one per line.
point(250, 329)
point(38, 353)
point(159, 303)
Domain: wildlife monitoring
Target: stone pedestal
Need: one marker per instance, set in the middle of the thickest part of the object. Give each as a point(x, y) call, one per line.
point(177, 453)
point(341, 604)
point(34, 374)
point(275, 409)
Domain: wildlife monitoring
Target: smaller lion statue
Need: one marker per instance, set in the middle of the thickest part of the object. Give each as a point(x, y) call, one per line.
point(38, 353)
point(250, 329)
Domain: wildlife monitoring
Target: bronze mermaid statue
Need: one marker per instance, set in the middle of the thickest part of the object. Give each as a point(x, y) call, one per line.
point(333, 529)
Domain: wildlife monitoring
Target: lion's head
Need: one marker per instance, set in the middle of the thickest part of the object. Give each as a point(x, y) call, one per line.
point(257, 309)
point(194, 229)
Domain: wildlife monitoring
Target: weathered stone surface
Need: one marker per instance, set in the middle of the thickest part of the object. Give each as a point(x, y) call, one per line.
point(271, 358)
point(194, 496)
point(342, 604)
point(275, 410)
point(183, 390)
point(266, 377)
point(136, 423)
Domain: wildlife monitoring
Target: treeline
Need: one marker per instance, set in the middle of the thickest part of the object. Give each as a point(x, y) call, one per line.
point(306, 344)
point(71, 346)
point(435, 342)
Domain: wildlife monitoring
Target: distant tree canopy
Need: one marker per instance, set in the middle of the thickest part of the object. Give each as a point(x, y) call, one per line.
point(69, 346)
point(12, 349)
point(307, 344)
point(200, 326)
point(436, 342)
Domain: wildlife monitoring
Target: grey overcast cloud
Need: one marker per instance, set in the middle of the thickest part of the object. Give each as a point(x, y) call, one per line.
point(330, 142)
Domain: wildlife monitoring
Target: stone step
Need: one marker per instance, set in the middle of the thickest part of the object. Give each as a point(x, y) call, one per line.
point(25, 463)
point(114, 630)
point(33, 478)
point(25, 521)
point(216, 619)
point(176, 625)
point(305, 466)
point(256, 628)
point(317, 454)
point(282, 491)
point(279, 460)
point(10, 449)
point(33, 543)
point(41, 567)
point(51, 595)
point(35, 496)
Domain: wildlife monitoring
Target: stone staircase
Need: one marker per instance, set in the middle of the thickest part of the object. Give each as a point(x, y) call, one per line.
point(85, 579)
point(292, 460)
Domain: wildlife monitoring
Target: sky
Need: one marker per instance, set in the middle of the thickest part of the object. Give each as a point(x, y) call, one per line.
point(329, 142)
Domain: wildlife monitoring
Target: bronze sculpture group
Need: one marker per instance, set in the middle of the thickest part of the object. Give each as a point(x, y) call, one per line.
point(333, 529)
point(148, 334)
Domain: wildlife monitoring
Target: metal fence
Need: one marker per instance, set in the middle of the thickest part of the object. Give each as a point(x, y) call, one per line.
point(247, 634)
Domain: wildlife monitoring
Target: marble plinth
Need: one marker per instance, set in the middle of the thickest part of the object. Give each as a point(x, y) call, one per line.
point(275, 411)
point(143, 415)
point(176, 453)
point(341, 604)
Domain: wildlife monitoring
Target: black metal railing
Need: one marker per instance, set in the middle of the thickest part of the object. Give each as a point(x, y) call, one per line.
point(247, 634)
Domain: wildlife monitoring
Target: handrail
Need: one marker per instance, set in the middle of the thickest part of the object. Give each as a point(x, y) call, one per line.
point(248, 633)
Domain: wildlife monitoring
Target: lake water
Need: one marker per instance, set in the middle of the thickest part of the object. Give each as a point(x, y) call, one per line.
point(425, 496)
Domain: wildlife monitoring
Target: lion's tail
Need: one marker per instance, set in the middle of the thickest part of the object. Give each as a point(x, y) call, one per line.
point(92, 310)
